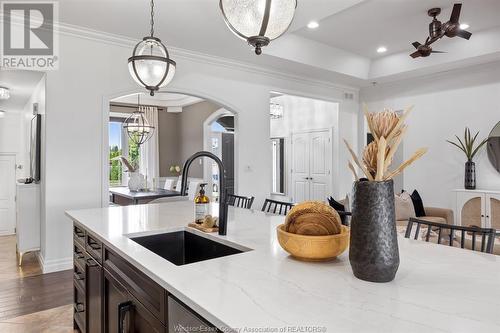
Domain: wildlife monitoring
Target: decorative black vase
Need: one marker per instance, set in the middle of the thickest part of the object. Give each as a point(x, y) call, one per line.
point(470, 175)
point(373, 247)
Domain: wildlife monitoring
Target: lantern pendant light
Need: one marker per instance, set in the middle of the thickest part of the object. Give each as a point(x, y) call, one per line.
point(258, 21)
point(137, 126)
point(150, 64)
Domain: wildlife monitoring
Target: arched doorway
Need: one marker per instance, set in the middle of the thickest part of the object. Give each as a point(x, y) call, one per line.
point(219, 138)
point(181, 125)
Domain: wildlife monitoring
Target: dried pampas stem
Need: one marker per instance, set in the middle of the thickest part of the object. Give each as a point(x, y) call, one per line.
point(369, 122)
point(400, 123)
point(351, 167)
point(394, 147)
point(356, 160)
point(382, 145)
point(408, 162)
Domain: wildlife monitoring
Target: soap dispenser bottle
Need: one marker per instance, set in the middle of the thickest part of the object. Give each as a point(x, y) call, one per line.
point(201, 204)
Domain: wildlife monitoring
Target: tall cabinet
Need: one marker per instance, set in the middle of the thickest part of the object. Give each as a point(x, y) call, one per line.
point(477, 207)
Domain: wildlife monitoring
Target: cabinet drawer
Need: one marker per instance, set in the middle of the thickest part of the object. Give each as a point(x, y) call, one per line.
point(79, 276)
point(78, 255)
point(148, 292)
point(79, 235)
point(94, 247)
point(182, 319)
point(79, 308)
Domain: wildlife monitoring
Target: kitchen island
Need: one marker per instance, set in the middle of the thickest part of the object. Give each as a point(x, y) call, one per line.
point(437, 288)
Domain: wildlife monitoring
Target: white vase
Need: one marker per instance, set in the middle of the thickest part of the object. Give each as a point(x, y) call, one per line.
point(135, 181)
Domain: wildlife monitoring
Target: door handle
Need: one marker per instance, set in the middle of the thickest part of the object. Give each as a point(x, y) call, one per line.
point(91, 262)
point(123, 308)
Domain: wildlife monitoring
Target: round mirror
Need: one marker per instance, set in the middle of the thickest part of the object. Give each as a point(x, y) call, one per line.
point(494, 147)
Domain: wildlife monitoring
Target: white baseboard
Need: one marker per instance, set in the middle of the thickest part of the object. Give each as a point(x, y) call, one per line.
point(54, 265)
point(9, 232)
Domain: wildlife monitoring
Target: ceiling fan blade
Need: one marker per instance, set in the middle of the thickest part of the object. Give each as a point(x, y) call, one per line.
point(415, 54)
point(416, 44)
point(455, 14)
point(464, 34)
point(438, 52)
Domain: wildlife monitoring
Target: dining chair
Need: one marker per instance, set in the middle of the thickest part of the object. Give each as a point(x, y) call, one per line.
point(239, 201)
point(277, 207)
point(487, 235)
point(178, 185)
point(193, 188)
point(169, 184)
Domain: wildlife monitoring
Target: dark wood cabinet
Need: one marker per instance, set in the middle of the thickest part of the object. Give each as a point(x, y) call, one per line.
point(93, 293)
point(117, 297)
point(123, 313)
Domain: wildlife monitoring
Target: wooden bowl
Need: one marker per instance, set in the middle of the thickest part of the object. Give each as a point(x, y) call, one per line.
point(313, 248)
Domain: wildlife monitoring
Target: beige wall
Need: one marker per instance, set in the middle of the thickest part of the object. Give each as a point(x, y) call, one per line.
point(191, 133)
point(181, 135)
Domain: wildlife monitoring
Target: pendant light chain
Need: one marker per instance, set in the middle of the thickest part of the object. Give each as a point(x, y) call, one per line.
point(152, 18)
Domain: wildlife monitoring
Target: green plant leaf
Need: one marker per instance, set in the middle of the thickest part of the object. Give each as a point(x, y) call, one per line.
point(455, 144)
point(464, 147)
point(478, 147)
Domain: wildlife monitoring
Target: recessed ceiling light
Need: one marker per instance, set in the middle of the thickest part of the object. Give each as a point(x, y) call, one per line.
point(4, 93)
point(381, 49)
point(464, 26)
point(313, 25)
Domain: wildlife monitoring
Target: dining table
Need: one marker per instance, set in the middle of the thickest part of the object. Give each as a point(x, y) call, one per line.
point(123, 196)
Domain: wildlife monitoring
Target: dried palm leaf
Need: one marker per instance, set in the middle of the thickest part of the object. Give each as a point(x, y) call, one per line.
point(351, 167)
point(419, 153)
point(356, 160)
point(381, 153)
point(393, 148)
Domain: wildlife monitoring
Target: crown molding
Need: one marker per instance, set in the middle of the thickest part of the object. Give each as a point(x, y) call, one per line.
point(203, 58)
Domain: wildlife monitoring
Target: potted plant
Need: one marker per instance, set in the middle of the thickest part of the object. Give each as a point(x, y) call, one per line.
point(467, 146)
point(135, 179)
point(373, 248)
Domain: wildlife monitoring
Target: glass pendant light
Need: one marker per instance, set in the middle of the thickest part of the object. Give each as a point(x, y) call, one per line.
point(258, 21)
point(150, 64)
point(137, 126)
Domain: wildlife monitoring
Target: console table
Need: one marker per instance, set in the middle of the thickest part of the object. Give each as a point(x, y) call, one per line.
point(477, 207)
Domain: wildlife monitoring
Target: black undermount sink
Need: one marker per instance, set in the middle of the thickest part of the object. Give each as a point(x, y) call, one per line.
point(182, 247)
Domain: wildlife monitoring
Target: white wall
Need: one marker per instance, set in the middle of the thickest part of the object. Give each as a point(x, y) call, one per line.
point(444, 105)
point(92, 71)
point(305, 114)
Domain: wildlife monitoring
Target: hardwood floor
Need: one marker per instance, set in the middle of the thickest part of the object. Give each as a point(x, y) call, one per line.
point(30, 301)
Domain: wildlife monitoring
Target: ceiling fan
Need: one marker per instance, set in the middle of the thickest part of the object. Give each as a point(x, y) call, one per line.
point(424, 50)
point(437, 30)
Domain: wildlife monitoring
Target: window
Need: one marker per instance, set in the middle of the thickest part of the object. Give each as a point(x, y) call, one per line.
point(120, 145)
point(278, 149)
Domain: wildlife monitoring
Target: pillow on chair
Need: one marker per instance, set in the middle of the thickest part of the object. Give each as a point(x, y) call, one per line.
point(418, 204)
point(404, 206)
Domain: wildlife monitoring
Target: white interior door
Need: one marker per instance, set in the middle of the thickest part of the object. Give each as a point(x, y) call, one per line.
point(320, 165)
point(311, 166)
point(7, 194)
point(300, 167)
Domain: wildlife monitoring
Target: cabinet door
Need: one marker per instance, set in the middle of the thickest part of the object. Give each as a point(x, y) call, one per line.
point(182, 319)
point(114, 295)
point(493, 211)
point(93, 290)
point(471, 209)
point(123, 313)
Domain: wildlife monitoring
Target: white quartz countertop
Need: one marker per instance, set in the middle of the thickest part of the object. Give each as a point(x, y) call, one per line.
point(437, 288)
